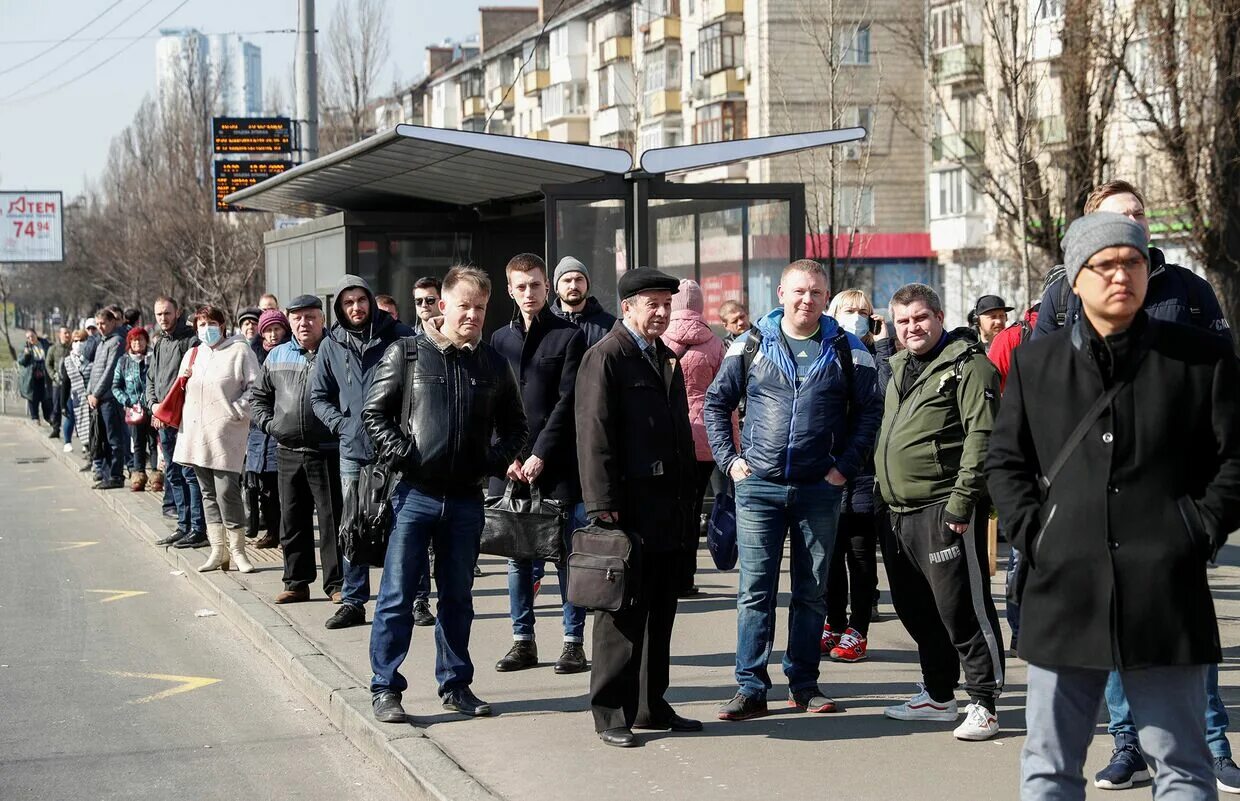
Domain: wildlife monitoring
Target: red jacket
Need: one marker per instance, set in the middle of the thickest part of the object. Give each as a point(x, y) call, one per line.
point(1001, 347)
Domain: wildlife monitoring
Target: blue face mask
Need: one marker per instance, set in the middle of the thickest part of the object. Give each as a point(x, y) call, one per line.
point(856, 324)
point(210, 335)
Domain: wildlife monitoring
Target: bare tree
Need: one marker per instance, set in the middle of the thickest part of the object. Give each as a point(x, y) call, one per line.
point(357, 53)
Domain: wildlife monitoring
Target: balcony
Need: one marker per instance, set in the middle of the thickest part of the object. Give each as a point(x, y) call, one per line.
point(714, 9)
point(536, 81)
point(541, 133)
point(959, 65)
point(664, 102)
point(958, 146)
point(615, 49)
point(661, 31)
point(958, 232)
point(613, 120)
point(473, 107)
point(727, 83)
point(1053, 129)
point(501, 97)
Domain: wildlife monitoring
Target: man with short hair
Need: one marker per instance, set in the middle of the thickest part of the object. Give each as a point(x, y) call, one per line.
point(111, 417)
point(735, 319)
point(56, 353)
point(989, 315)
point(1117, 513)
point(268, 302)
point(341, 376)
point(305, 449)
point(388, 304)
point(638, 465)
point(575, 303)
point(444, 444)
point(173, 339)
point(940, 407)
point(426, 292)
point(792, 477)
point(544, 351)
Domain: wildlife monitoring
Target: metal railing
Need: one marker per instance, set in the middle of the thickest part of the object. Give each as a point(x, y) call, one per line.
point(11, 402)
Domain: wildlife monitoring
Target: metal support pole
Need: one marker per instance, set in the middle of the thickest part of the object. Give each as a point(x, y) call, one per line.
point(307, 73)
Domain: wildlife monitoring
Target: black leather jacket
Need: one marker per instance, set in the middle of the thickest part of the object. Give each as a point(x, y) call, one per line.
point(466, 417)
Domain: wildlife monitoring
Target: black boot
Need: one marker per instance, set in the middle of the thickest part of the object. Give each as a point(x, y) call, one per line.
point(197, 539)
point(422, 613)
point(522, 655)
point(572, 659)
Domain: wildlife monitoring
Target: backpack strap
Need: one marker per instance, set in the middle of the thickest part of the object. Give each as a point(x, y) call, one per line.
point(1061, 302)
point(1026, 330)
point(752, 344)
point(406, 393)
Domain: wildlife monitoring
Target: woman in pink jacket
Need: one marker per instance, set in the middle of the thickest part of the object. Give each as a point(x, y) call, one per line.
point(701, 354)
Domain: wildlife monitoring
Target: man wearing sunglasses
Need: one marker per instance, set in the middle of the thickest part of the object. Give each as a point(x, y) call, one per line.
point(426, 293)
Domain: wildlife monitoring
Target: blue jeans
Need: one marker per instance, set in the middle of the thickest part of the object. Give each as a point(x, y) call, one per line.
point(67, 421)
point(521, 578)
point(356, 589)
point(766, 513)
point(112, 416)
point(183, 484)
point(1124, 729)
point(453, 526)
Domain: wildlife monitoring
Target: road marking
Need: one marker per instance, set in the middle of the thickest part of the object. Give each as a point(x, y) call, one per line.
point(38, 488)
point(119, 594)
point(68, 509)
point(186, 684)
point(71, 545)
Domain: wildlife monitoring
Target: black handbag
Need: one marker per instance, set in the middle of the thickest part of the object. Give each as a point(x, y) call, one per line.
point(366, 525)
point(523, 528)
point(721, 532)
point(602, 568)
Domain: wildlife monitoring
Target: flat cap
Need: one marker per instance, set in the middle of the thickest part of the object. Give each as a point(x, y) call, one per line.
point(305, 302)
point(252, 313)
point(646, 278)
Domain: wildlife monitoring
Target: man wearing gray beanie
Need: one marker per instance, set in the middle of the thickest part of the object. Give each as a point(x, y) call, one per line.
point(1115, 467)
point(574, 302)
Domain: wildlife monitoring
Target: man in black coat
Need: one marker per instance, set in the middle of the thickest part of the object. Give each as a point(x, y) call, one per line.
point(544, 352)
point(637, 461)
point(1118, 538)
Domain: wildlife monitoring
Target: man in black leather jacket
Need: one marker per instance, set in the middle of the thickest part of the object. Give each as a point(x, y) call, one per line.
point(459, 421)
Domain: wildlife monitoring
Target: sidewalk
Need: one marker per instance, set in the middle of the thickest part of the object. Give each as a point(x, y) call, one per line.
point(541, 743)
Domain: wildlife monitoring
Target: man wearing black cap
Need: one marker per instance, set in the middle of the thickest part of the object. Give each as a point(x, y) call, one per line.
point(637, 464)
point(990, 317)
point(575, 303)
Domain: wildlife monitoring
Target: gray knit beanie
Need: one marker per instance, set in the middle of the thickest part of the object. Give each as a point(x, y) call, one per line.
point(568, 264)
point(1103, 229)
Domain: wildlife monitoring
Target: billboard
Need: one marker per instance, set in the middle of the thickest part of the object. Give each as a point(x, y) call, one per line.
point(252, 134)
point(31, 227)
point(233, 175)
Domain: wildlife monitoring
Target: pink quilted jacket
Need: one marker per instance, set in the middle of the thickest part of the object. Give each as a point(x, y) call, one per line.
point(701, 355)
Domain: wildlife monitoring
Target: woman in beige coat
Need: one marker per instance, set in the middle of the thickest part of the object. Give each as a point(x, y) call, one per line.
point(215, 423)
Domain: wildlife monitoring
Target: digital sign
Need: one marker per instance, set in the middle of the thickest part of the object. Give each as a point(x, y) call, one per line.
point(252, 134)
point(31, 227)
point(233, 176)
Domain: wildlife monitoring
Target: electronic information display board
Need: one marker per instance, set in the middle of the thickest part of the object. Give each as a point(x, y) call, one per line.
point(232, 175)
point(252, 134)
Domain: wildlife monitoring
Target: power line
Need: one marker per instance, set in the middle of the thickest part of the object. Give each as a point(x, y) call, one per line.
point(81, 75)
point(4, 42)
point(533, 52)
point(59, 42)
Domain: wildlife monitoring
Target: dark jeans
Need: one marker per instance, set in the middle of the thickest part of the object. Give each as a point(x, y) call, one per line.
point(854, 573)
point(453, 526)
point(183, 484)
point(688, 564)
point(262, 494)
point(57, 399)
point(116, 436)
point(521, 586)
point(43, 404)
point(142, 441)
point(1124, 729)
point(309, 483)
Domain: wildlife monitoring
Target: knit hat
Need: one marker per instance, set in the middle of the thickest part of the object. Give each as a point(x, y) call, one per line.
point(270, 318)
point(253, 313)
point(567, 265)
point(689, 297)
point(1094, 232)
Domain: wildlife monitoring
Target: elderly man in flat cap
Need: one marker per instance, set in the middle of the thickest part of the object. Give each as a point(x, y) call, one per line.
point(637, 463)
point(1115, 464)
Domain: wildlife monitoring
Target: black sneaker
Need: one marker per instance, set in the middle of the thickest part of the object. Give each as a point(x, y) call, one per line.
point(477, 572)
point(742, 707)
point(422, 613)
point(171, 539)
point(466, 703)
point(1127, 766)
point(170, 513)
point(197, 539)
point(387, 708)
point(523, 654)
point(347, 615)
point(1226, 775)
point(108, 484)
point(811, 699)
point(572, 659)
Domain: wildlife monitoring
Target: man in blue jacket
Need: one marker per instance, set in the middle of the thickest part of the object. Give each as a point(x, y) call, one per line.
point(338, 384)
point(812, 412)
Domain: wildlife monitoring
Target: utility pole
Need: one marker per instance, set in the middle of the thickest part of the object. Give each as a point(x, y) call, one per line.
point(307, 72)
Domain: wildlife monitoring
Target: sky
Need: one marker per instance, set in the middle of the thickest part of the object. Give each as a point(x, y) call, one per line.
point(60, 140)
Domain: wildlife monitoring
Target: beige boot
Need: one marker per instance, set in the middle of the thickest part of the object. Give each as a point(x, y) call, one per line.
point(236, 549)
point(218, 559)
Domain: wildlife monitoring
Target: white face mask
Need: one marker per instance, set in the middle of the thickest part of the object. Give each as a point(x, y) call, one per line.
point(77, 348)
point(210, 335)
point(856, 324)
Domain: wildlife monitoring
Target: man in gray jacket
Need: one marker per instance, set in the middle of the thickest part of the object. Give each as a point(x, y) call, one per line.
point(111, 418)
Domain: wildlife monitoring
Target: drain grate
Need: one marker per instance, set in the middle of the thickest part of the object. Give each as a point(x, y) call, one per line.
point(31, 460)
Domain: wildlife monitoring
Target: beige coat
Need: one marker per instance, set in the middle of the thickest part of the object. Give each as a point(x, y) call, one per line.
point(215, 422)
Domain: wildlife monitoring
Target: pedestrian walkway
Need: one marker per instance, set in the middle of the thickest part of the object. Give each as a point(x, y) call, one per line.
point(541, 744)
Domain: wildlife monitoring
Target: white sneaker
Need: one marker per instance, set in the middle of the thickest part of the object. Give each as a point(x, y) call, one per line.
point(68, 447)
point(923, 707)
point(979, 724)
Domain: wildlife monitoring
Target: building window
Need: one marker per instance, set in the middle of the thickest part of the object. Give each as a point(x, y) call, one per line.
point(471, 84)
point(559, 42)
point(858, 117)
point(663, 8)
point(541, 55)
point(951, 193)
point(855, 45)
point(439, 96)
point(661, 70)
point(1046, 10)
point(721, 46)
point(622, 140)
point(615, 86)
point(946, 26)
point(499, 72)
point(720, 122)
point(617, 23)
point(564, 100)
point(854, 206)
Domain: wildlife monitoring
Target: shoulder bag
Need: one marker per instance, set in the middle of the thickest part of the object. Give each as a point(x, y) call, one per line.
point(602, 568)
point(523, 528)
point(173, 404)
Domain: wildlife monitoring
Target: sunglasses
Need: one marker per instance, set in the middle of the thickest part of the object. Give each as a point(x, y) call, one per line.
point(425, 301)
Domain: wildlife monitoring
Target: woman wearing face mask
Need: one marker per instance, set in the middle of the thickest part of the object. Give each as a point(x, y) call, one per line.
point(75, 369)
point(129, 389)
point(854, 564)
point(215, 424)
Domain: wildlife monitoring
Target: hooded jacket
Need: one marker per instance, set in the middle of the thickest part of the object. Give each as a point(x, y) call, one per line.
point(344, 367)
point(593, 319)
point(791, 434)
point(167, 351)
point(701, 355)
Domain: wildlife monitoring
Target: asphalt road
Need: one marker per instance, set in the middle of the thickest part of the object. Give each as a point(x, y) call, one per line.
point(88, 626)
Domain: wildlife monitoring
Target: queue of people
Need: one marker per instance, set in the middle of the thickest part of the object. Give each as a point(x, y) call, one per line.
point(840, 432)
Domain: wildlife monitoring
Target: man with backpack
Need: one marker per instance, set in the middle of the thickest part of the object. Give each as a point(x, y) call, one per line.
point(812, 413)
point(940, 407)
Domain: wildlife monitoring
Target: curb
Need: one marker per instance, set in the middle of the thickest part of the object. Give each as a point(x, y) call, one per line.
point(412, 760)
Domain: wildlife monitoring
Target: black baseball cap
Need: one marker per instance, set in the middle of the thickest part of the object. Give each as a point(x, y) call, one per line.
point(989, 303)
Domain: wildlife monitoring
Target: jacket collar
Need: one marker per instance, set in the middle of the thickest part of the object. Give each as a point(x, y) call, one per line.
point(433, 332)
point(956, 347)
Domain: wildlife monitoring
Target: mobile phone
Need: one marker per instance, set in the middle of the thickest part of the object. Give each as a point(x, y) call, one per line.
point(876, 325)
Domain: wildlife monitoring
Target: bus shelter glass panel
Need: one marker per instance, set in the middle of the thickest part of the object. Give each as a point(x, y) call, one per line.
point(593, 231)
point(770, 251)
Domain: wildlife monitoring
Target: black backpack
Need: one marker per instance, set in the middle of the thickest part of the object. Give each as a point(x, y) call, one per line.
point(1196, 313)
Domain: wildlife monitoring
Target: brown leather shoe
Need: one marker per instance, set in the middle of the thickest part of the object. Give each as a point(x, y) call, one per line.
point(267, 541)
point(294, 596)
point(337, 597)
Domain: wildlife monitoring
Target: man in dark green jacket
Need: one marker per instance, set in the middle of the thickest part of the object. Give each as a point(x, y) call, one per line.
point(940, 406)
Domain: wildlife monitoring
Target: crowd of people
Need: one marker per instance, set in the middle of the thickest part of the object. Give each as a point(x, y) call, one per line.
point(840, 432)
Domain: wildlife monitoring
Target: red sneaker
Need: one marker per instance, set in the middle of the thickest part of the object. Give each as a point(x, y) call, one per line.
point(851, 648)
point(829, 639)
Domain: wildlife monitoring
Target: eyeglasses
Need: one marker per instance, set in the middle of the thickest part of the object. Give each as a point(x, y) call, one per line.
point(1107, 269)
point(431, 301)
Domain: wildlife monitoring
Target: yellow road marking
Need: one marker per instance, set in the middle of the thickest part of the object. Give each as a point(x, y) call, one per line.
point(71, 545)
point(118, 594)
point(185, 684)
